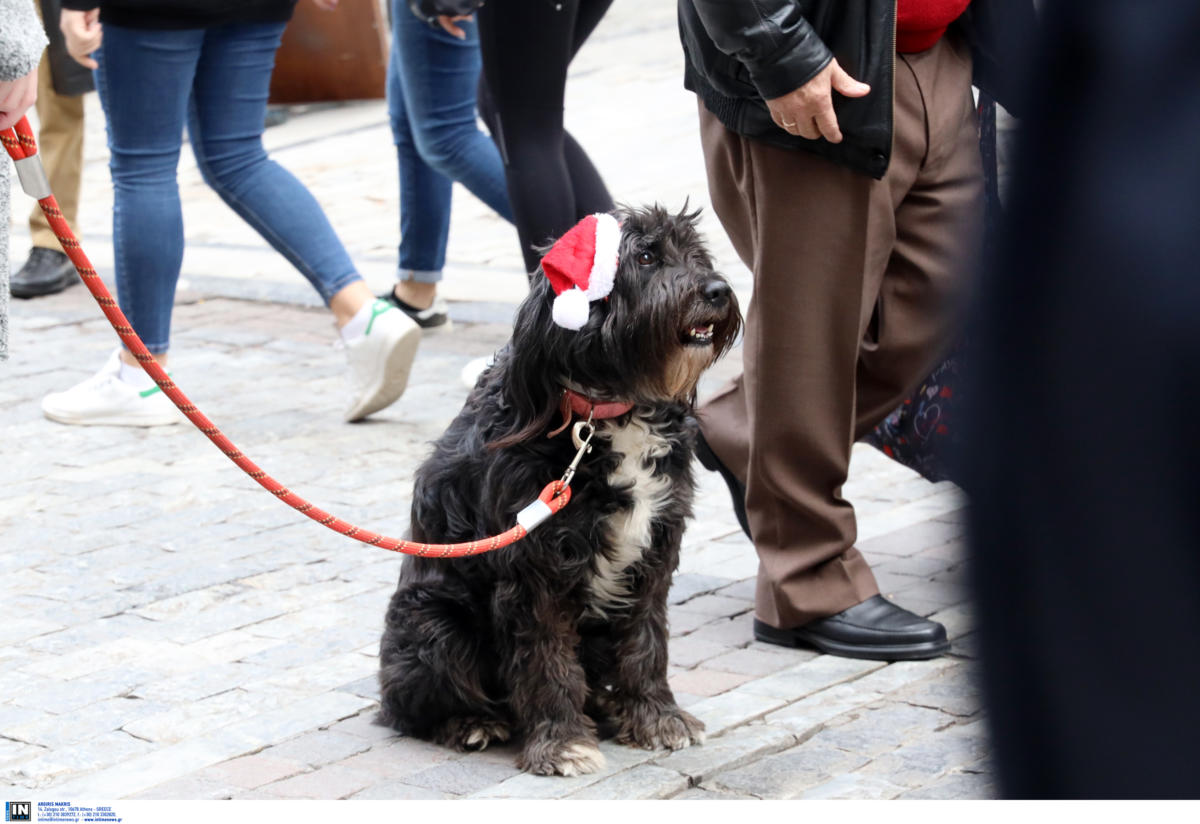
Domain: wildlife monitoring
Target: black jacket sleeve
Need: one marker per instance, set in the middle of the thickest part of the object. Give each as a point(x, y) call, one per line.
point(771, 38)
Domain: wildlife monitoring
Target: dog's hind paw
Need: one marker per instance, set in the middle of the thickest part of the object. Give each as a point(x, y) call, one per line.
point(670, 728)
point(473, 733)
point(578, 757)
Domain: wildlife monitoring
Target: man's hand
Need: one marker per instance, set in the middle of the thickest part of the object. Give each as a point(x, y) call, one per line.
point(808, 111)
point(16, 96)
point(83, 33)
point(447, 22)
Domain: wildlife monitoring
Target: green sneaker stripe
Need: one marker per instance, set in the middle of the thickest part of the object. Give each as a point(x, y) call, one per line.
point(377, 309)
point(145, 393)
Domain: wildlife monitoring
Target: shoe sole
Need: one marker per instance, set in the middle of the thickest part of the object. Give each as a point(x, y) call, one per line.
point(73, 420)
point(394, 378)
point(873, 652)
point(43, 289)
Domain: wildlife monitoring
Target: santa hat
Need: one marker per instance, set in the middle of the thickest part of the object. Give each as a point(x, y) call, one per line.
point(581, 266)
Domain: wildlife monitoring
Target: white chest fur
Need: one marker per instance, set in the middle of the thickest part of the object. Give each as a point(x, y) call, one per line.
point(629, 531)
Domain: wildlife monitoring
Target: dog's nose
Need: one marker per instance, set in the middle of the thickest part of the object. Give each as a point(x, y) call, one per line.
point(717, 292)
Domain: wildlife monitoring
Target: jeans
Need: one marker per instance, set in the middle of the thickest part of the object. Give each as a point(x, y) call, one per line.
point(215, 80)
point(432, 79)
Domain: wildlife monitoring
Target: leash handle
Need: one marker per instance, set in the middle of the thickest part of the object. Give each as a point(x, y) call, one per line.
point(21, 146)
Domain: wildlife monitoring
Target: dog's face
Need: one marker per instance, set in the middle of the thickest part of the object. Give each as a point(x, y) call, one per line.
point(668, 317)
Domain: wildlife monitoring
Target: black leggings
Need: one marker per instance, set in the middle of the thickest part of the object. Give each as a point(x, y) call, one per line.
point(527, 46)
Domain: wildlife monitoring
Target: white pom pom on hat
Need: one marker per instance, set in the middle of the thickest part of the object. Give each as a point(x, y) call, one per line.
point(581, 266)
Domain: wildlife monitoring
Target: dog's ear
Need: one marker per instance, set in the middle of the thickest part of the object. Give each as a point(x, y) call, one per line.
point(533, 368)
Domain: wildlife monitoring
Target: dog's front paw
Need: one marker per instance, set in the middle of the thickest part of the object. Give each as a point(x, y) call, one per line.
point(654, 727)
point(472, 733)
point(578, 756)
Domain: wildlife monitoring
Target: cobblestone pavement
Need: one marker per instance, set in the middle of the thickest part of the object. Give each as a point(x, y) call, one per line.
point(170, 631)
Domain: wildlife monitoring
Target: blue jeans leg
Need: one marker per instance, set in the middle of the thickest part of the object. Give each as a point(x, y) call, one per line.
point(225, 123)
point(144, 79)
point(432, 81)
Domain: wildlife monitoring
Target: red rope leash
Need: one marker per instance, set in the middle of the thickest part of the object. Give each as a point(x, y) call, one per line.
point(22, 147)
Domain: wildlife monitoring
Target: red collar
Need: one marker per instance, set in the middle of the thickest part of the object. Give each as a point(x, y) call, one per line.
point(575, 404)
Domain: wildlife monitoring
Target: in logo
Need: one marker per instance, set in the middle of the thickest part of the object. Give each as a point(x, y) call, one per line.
point(18, 810)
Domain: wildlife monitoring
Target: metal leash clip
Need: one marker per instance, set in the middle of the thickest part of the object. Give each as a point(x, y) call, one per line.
point(583, 443)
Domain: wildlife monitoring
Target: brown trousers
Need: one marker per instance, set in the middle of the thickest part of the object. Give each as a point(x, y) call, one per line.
point(60, 143)
point(855, 288)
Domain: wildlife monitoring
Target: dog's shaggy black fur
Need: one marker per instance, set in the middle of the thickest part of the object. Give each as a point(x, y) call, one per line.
point(564, 635)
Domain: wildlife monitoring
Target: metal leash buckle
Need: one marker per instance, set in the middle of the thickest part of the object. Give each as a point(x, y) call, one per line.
point(582, 442)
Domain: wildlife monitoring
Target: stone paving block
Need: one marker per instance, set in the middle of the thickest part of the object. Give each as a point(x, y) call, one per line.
point(757, 660)
point(683, 623)
point(728, 751)
point(642, 782)
point(96, 754)
point(808, 716)
point(319, 747)
point(717, 606)
point(193, 686)
point(733, 632)
point(399, 758)
point(189, 788)
point(857, 786)
point(303, 715)
point(367, 687)
point(329, 782)
point(186, 721)
point(617, 760)
point(399, 791)
point(806, 678)
point(70, 695)
point(882, 730)
point(319, 676)
point(956, 692)
point(955, 550)
point(916, 566)
point(13, 752)
point(743, 589)
point(701, 794)
point(23, 629)
point(688, 652)
point(966, 646)
point(362, 725)
point(255, 770)
point(918, 763)
point(957, 786)
point(958, 620)
point(788, 774)
point(910, 540)
point(901, 674)
point(463, 776)
point(12, 717)
point(733, 708)
point(706, 682)
point(60, 731)
point(689, 585)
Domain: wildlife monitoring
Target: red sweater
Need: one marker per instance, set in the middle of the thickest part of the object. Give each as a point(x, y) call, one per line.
point(921, 23)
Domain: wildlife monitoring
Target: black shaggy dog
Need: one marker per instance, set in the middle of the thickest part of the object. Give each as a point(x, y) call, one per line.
point(564, 634)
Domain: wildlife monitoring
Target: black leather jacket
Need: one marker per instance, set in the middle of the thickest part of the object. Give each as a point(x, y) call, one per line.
point(742, 52)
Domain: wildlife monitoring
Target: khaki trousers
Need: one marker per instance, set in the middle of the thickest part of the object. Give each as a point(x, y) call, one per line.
point(855, 295)
point(60, 143)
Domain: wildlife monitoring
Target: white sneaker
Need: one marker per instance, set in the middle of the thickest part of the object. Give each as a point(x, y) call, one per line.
point(106, 400)
point(381, 360)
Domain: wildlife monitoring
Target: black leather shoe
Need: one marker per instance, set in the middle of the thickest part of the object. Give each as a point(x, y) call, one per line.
point(737, 490)
point(46, 272)
point(875, 629)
